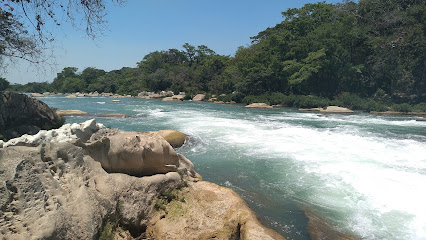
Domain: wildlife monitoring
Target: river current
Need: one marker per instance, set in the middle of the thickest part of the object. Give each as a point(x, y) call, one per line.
point(365, 174)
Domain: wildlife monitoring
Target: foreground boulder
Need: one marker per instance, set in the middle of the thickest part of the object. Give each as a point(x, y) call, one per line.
point(72, 183)
point(20, 114)
point(206, 211)
point(135, 153)
point(55, 192)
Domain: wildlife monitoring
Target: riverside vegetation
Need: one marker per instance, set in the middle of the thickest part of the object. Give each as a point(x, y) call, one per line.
point(366, 55)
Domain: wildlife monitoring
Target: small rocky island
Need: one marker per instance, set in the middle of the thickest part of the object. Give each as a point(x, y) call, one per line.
point(86, 181)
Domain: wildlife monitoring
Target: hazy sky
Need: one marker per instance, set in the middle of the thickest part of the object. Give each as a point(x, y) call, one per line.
point(143, 26)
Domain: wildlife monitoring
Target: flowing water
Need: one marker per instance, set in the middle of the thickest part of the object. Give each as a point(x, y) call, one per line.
point(365, 174)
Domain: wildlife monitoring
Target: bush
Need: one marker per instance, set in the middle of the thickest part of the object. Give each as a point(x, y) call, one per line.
point(237, 97)
point(310, 102)
point(374, 106)
point(350, 101)
point(187, 97)
point(403, 107)
point(276, 98)
point(421, 107)
point(288, 101)
point(255, 99)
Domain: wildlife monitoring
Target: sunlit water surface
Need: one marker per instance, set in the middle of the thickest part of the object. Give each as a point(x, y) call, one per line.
point(365, 174)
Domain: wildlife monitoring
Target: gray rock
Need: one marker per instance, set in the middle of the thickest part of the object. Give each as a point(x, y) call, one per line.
point(20, 114)
point(199, 97)
point(135, 153)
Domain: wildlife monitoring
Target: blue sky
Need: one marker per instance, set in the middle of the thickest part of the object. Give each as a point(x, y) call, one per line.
point(142, 26)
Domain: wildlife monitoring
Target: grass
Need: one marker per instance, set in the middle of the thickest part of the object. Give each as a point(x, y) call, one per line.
point(111, 224)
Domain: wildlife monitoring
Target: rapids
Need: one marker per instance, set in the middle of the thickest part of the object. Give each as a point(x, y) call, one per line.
point(364, 173)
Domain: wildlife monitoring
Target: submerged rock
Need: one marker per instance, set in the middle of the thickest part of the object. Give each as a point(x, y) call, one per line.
point(319, 229)
point(329, 109)
point(71, 113)
point(118, 115)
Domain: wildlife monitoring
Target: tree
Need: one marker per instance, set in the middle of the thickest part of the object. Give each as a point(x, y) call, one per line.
point(190, 53)
point(4, 84)
point(18, 41)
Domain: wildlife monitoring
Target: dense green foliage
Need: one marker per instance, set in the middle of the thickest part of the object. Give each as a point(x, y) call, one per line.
point(364, 55)
point(26, 26)
point(4, 84)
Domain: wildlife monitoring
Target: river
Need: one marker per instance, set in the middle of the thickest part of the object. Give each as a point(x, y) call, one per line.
point(363, 173)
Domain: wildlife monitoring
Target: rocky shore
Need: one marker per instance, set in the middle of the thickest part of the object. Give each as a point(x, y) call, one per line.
point(84, 181)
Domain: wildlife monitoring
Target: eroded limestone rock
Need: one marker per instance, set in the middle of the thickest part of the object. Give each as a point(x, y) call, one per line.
point(55, 192)
point(207, 211)
point(66, 133)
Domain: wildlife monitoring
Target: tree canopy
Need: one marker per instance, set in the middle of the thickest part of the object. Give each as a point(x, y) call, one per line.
point(368, 48)
point(25, 25)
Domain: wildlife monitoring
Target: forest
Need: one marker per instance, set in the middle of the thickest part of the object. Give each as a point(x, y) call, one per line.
point(368, 54)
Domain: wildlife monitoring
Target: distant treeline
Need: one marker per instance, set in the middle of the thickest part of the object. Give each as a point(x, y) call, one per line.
point(369, 49)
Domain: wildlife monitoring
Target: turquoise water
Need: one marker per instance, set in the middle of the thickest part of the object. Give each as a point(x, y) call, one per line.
point(365, 174)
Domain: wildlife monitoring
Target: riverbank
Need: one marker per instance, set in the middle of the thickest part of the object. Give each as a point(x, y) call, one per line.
point(379, 105)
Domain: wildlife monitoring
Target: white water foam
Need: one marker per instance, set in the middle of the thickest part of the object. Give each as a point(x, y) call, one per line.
point(376, 183)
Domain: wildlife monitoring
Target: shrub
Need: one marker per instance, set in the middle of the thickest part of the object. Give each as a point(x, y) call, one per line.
point(187, 97)
point(276, 98)
point(237, 97)
point(374, 106)
point(310, 101)
point(255, 99)
point(421, 107)
point(351, 101)
point(403, 107)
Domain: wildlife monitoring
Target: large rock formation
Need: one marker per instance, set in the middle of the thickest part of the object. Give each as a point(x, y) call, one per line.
point(54, 186)
point(53, 191)
point(135, 153)
point(20, 114)
point(206, 211)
